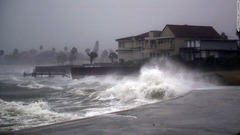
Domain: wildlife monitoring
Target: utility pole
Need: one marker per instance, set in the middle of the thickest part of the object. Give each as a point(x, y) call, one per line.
point(238, 17)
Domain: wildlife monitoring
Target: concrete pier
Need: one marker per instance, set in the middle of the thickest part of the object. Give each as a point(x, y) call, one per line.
point(200, 112)
point(79, 71)
point(50, 71)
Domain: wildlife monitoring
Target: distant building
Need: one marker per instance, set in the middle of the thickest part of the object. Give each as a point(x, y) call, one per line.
point(191, 42)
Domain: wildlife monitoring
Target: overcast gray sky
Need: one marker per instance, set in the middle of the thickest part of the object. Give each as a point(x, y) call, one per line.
point(27, 24)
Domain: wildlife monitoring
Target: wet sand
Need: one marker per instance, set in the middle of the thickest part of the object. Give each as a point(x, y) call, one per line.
point(200, 112)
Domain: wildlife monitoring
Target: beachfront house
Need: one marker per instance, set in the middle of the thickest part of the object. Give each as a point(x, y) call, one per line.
point(200, 49)
point(174, 37)
point(190, 42)
point(133, 48)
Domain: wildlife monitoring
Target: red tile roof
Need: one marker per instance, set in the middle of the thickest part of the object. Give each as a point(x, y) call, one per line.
point(188, 31)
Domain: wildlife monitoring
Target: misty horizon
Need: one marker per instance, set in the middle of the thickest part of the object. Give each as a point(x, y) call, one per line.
point(28, 24)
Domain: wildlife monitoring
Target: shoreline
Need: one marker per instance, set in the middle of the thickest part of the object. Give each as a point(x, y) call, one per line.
point(200, 111)
point(106, 114)
point(225, 77)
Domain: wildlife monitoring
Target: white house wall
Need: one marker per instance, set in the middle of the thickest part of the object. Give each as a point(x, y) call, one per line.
point(130, 55)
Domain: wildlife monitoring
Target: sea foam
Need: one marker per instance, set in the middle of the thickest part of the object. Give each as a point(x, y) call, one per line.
point(20, 115)
point(153, 84)
point(95, 95)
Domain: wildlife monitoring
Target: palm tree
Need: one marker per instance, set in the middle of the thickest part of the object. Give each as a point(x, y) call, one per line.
point(92, 55)
point(15, 55)
point(41, 47)
point(54, 49)
point(33, 52)
point(73, 54)
point(104, 56)
point(61, 58)
point(65, 49)
point(112, 56)
point(15, 51)
point(1, 52)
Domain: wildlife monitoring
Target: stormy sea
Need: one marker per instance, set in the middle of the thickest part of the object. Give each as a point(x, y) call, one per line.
point(32, 102)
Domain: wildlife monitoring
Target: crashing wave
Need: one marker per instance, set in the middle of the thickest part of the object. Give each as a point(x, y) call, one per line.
point(35, 85)
point(22, 115)
point(152, 85)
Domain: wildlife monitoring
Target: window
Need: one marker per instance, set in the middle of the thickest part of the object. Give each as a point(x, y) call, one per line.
point(204, 55)
point(188, 44)
point(192, 44)
point(122, 45)
point(198, 44)
point(142, 45)
point(152, 42)
point(161, 41)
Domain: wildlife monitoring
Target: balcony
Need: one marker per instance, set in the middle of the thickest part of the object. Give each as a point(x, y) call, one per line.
point(166, 47)
point(189, 50)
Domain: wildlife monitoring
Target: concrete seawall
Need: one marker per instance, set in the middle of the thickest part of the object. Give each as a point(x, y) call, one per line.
point(50, 71)
point(78, 72)
point(201, 112)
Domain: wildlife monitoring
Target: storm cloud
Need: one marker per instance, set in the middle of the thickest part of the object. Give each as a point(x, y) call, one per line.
point(27, 24)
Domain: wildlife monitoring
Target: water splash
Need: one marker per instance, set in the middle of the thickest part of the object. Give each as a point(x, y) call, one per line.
point(20, 115)
point(35, 85)
point(68, 99)
point(152, 85)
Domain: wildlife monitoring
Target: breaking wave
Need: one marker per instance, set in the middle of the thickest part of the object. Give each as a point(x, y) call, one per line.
point(35, 85)
point(62, 99)
point(29, 115)
point(152, 85)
